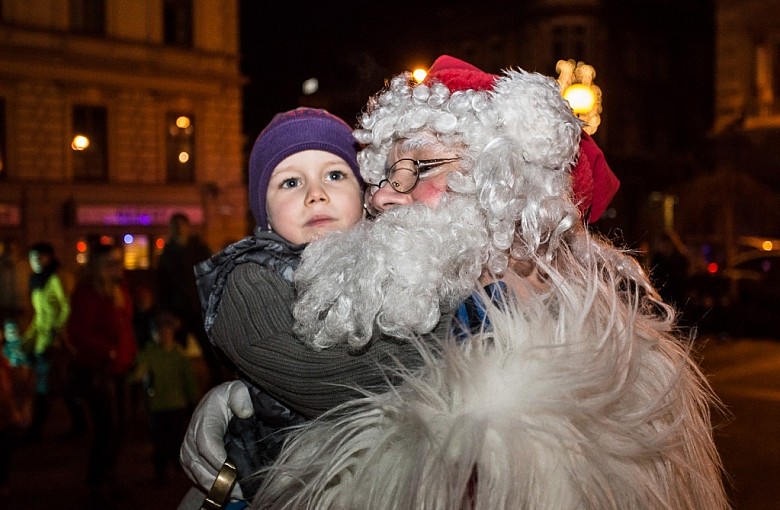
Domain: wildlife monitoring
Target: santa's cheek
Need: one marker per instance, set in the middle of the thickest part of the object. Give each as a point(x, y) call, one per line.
point(429, 193)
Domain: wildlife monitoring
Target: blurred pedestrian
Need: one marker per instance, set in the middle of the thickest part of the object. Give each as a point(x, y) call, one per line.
point(177, 292)
point(172, 392)
point(100, 330)
point(12, 279)
point(145, 312)
point(50, 312)
point(16, 397)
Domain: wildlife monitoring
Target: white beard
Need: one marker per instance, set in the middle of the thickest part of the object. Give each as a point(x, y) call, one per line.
point(395, 275)
point(577, 398)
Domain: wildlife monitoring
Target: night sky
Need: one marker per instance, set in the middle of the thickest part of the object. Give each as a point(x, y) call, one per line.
point(351, 47)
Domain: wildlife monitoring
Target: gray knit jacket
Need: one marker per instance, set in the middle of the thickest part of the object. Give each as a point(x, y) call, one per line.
point(252, 324)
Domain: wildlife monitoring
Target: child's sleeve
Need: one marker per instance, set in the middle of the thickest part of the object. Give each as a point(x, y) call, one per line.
point(254, 329)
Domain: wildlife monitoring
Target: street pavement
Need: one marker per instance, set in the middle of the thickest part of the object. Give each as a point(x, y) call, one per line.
point(51, 474)
point(744, 373)
point(746, 376)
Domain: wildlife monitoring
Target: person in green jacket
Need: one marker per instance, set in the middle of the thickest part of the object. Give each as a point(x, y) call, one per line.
point(50, 312)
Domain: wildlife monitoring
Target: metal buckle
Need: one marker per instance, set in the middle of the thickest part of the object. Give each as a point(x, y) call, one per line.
point(220, 490)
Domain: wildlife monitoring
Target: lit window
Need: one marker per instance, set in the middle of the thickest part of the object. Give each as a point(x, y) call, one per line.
point(136, 251)
point(89, 142)
point(180, 147)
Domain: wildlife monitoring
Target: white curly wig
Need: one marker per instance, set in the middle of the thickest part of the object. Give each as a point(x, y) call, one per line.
point(520, 140)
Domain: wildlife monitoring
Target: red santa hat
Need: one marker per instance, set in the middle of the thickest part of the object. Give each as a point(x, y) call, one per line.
point(459, 75)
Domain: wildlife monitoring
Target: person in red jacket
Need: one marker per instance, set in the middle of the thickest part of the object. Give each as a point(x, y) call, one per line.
point(100, 329)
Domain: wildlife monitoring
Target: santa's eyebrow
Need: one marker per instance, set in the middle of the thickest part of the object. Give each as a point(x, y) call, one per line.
point(419, 142)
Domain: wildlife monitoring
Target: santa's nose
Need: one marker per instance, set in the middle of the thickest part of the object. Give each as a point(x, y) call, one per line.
point(387, 197)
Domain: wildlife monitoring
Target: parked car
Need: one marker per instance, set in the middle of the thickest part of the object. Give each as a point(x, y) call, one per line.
point(750, 309)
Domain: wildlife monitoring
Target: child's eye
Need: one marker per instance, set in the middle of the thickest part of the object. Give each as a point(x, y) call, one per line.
point(289, 183)
point(336, 175)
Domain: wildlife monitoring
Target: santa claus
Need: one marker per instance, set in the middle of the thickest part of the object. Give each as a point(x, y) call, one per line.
point(560, 381)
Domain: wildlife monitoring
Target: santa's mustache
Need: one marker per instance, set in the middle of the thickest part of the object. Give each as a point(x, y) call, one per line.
point(394, 275)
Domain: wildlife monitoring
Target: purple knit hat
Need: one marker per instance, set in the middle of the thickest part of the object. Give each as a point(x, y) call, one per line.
point(289, 133)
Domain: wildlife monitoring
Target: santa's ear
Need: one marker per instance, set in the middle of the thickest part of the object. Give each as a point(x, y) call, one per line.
point(537, 118)
point(521, 200)
point(501, 176)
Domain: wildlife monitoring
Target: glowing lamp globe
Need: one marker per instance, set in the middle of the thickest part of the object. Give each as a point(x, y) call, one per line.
point(581, 98)
point(79, 143)
point(419, 75)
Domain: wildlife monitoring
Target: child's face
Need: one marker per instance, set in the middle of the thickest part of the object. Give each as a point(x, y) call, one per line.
point(312, 193)
point(167, 336)
point(11, 332)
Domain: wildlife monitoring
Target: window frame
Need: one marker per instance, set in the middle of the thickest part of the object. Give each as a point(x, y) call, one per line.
point(177, 141)
point(91, 163)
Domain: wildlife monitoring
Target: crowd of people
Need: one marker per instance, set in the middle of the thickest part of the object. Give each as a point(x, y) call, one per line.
point(108, 349)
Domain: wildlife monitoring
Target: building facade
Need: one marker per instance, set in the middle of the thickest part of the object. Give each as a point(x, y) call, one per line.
point(114, 115)
point(748, 65)
point(731, 206)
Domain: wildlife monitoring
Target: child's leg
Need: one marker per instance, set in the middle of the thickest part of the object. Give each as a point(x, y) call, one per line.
point(7, 445)
point(159, 437)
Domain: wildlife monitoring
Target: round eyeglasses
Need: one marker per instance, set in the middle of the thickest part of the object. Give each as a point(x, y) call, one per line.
point(403, 176)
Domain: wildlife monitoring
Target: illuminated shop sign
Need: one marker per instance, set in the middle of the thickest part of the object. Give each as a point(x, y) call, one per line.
point(10, 215)
point(147, 215)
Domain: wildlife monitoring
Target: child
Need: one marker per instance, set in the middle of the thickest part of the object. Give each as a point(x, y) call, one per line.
point(171, 393)
point(303, 183)
point(13, 349)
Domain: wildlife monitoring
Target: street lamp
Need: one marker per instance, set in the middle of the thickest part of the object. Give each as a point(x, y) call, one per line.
point(576, 82)
point(419, 74)
point(79, 143)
